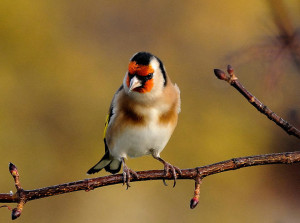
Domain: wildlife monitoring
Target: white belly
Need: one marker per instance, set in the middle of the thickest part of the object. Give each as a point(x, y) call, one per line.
point(141, 140)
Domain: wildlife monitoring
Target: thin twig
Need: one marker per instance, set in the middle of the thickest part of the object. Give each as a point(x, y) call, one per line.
point(195, 200)
point(233, 81)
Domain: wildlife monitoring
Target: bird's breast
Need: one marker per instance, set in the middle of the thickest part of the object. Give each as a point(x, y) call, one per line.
point(141, 139)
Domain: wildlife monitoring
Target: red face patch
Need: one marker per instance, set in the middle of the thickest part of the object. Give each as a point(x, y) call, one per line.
point(146, 88)
point(142, 71)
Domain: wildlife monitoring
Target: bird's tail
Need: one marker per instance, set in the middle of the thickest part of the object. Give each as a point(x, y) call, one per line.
point(109, 164)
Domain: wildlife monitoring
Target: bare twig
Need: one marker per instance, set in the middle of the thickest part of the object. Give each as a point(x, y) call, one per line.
point(233, 80)
point(16, 212)
point(195, 200)
point(23, 196)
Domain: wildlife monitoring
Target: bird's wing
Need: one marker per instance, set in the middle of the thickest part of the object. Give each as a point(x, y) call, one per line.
point(109, 115)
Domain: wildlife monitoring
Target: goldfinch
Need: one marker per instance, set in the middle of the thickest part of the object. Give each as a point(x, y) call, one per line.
point(142, 117)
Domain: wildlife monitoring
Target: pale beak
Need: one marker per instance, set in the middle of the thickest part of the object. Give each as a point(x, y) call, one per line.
point(134, 83)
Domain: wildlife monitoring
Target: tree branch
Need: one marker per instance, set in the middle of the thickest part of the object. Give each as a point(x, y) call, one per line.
point(197, 174)
point(233, 81)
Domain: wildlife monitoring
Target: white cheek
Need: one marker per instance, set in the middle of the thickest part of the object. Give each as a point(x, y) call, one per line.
point(157, 84)
point(154, 64)
point(125, 83)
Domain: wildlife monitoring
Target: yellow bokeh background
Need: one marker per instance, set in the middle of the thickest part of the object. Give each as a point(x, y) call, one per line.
point(62, 61)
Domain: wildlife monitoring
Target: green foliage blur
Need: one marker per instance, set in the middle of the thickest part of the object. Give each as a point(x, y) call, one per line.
point(61, 63)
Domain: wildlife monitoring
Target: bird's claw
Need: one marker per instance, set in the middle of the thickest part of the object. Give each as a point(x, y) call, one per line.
point(168, 168)
point(127, 176)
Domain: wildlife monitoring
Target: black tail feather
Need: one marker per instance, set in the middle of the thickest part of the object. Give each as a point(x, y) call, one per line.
point(112, 168)
point(101, 164)
point(110, 165)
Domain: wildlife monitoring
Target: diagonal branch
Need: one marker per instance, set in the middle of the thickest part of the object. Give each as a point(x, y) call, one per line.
point(233, 81)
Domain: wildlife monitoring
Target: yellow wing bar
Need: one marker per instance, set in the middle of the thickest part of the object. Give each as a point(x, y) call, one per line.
point(106, 124)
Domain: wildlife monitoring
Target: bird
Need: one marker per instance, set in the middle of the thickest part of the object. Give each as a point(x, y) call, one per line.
point(141, 119)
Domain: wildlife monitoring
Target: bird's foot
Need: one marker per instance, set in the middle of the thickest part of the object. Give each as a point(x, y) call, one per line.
point(168, 168)
point(127, 175)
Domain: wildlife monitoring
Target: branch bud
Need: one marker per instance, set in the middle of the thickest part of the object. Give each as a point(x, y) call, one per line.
point(220, 74)
point(13, 170)
point(230, 69)
point(15, 213)
point(194, 202)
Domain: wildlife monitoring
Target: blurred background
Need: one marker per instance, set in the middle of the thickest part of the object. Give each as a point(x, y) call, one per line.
point(62, 61)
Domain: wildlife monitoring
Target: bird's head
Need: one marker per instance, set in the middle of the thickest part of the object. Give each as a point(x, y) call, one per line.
point(145, 76)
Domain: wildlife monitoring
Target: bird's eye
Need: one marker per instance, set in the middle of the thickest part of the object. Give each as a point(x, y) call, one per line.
point(148, 77)
point(142, 78)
